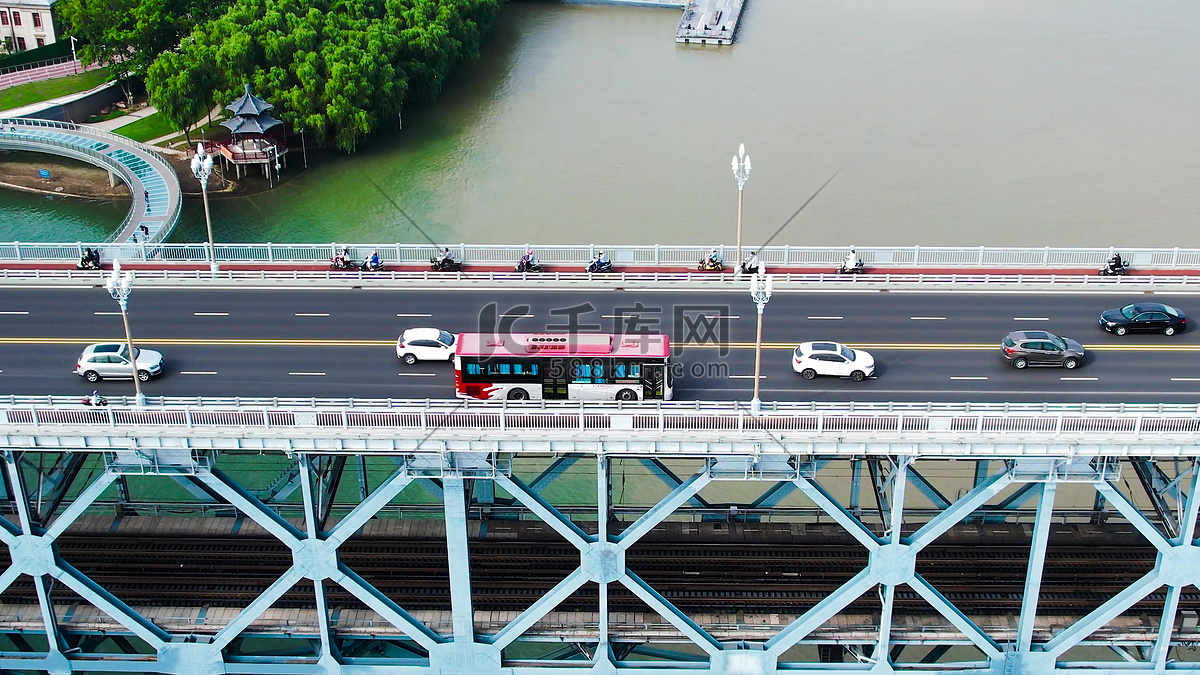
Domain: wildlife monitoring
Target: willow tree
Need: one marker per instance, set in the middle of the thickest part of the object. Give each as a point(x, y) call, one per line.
point(337, 68)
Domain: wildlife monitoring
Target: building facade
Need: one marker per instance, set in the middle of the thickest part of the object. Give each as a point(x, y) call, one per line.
point(25, 24)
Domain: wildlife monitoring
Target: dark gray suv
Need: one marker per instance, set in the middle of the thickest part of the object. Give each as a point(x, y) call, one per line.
point(1038, 348)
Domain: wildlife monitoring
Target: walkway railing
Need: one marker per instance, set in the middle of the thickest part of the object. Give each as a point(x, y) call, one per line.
point(915, 257)
point(696, 420)
point(692, 279)
point(106, 161)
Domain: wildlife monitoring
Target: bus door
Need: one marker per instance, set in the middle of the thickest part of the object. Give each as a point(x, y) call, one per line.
point(654, 380)
point(556, 377)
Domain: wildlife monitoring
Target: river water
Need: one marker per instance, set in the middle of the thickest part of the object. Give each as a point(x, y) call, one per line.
point(997, 122)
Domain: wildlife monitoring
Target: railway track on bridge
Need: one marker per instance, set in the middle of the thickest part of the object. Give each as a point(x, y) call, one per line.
point(511, 576)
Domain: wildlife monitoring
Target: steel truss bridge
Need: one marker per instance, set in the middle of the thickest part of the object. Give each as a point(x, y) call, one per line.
point(1016, 453)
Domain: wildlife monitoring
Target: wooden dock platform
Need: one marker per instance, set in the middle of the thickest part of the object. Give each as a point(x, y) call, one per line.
point(709, 22)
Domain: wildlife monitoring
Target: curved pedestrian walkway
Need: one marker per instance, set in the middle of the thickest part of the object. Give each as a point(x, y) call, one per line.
point(157, 197)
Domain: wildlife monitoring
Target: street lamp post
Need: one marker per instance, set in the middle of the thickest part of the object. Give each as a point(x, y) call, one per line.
point(760, 291)
point(741, 171)
point(303, 147)
point(119, 286)
point(74, 61)
point(202, 166)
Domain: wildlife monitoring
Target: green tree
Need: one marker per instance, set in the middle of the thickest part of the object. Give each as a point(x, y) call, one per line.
point(338, 68)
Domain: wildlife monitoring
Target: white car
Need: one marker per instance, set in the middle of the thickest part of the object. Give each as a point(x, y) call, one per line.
point(425, 344)
point(834, 359)
point(111, 360)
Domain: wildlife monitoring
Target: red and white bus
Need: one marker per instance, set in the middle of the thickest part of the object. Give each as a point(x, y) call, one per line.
point(557, 366)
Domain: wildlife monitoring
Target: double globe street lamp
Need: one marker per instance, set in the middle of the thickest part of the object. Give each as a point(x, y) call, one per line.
point(202, 166)
point(741, 171)
point(119, 286)
point(760, 292)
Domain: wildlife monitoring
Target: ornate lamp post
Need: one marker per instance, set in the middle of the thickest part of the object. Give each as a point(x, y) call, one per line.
point(741, 171)
point(119, 286)
point(760, 292)
point(202, 166)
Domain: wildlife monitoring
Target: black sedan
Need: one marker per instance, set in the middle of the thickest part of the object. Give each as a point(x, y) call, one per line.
point(1147, 317)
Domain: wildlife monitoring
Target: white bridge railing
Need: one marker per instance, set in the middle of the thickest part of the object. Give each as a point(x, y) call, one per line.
point(692, 278)
point(625, 255)
point(704, 422)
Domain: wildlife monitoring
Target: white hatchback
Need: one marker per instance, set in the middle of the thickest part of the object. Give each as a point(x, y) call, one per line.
point(425, 344)
point(834, 359)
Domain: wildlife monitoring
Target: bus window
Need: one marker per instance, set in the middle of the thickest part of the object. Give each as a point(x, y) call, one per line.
point(635, 369)
point(581, 372)
point(474, 369)
point(598, 372)
point(619, 369)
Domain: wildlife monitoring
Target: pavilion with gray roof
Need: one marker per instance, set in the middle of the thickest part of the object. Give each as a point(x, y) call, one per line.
point(252, 141)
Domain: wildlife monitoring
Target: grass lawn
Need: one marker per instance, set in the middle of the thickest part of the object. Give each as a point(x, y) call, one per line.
point(147, 128)
point(24, 94)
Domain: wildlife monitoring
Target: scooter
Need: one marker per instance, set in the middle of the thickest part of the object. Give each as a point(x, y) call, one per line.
point(525, 266)
point(596, 266)
point(89, 261)
point(710, 265)
point(444, 265)
point(87, 400)
point(366, 266)
point(336, 263)
point(848, 267)
point(1113, 270)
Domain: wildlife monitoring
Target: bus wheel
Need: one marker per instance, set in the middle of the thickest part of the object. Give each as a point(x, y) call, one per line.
point(518, 395)
point(626, 395)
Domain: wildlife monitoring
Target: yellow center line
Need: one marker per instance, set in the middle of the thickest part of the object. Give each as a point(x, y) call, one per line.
point(299, 342)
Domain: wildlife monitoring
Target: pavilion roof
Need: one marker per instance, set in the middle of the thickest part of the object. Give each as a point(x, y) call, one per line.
point(257, 124)
point(249, 104)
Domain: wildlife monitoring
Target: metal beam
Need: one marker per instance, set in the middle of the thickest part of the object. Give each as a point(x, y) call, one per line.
point(532, 614)
point(556, 469)
point(939, 524)
point(668, 477)
point(53, 485)
point(961, 621)
point(385, 607)
point(879, 484)
point(542, 509)
point(926, 488)
point(370, 506)
point(664, 508)
point(676, 618)
point(1096, 619)
point(1033, 573)
point(603, 514)
point(854, 526)
point(458, 556)
point(1157, 487)
point(1134, 516)
point(824, 610)
point(251, 506)
point(330, 478)
point(256, 607)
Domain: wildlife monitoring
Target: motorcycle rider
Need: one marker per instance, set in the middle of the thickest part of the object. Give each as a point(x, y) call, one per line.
point(446, 259)
point(95, 400)
point(342, 258)
point(528, 262)
point(851, 263)
point(600, 263)
point(1116, 264)
point(372, 263)
point(752, 265)
point(714, 258)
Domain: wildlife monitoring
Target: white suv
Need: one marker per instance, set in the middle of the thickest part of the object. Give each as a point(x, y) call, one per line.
point(425, 344)
point(831, 358)
point(111, 360)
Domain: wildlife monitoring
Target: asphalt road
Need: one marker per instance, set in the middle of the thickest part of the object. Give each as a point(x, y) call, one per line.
point(939, 347)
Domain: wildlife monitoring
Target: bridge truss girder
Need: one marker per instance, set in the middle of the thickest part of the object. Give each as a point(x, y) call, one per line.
point(315, 558)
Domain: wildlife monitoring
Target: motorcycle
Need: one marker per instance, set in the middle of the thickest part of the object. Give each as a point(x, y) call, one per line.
point(100, 401)
point(89, 261)
point(526, 266)
point(1112, 269)
point(848, 267)
point(709, 265)
point(596, 266)
point(366, 266)
point(445, 265)
point(336, 263)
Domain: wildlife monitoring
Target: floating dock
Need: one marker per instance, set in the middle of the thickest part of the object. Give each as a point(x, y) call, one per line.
point(709, 22)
